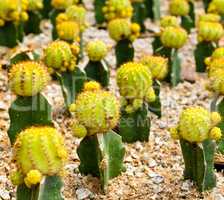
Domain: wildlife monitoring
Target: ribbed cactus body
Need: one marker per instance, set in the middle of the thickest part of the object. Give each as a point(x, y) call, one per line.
point(209, 17)
point(167, 21)
point(215, 65)
point(117, 9)
point(173, 37)
point(96, 50)
point(157, 65)
point(40, 149)
point(216, 6)
point(35, 5)
point(61, 4)
point(217, 81)
point(179, 7)
point(28, 78)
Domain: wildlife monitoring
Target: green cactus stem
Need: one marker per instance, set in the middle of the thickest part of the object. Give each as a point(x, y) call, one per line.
point(153, 8)
point(33, 24)
point(11, 34)
point(71, 84)
point(135, 126)
point(99, 15)
point(49, 189)
point(98, 71)
point(199, 163)
point(206, 3)
point(188, 22)
point(101, 155)
point(47, 9)
point(139, 14)
point(53, 15)
point(202, 51)
point(124, 51)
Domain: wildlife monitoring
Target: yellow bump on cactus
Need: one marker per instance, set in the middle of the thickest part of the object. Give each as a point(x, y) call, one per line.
point(216, 81)
point(28, 78)
point(78, 130)
point(92, 86)
point(135, 28)
point(210, 17)
point(157, 65)
point(96, 50)
point(137, 103)
point(174, 37)
point(216, 118)
point(98, 111)
point(68, 31)
point(179, 7)
point(72, 107)
point(210, 31)
point(216, 6)
point(174, 133)
point(61, 4)
point(134, 80)
point(215, 133)
point(117, 9)
point(34, 5)
point(119, 29)
point(62, 17)
point(167, 21)
point(150, 96)
point(16, 178)
point(215, 65)
point(24, 16)
point(33, 177)
point(218, 53)
point(129, 109)
point(123, 101)
point(40, 148)
point(59, 56)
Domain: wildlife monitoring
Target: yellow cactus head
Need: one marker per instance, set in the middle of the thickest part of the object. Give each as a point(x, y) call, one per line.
point(210, 31)
point(179, 7)
point(28, 78)
point(215, 65)
point(157, 65)
point(117, 9)
point(92, 86)
point(61, 4)
point(174, 37)
point(209, 17)
point(39, 151)
point(216, 81)
point(68, 30)
point(169, 21)
point(96, 50)
point(59, 56)
point(216, 6)
point(134, 80)
point(196, 125)
point(98, 111)
point(35, 5)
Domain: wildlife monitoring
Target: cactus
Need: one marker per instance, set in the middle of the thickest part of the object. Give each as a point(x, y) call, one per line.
point(216, 6)
point(135, 86)
point(153, 9)
point(197, 132)
point(61, 59)
point(124, 33)
point(39, 154)
point(101, 152)
point(167, 21)
point(97, 68)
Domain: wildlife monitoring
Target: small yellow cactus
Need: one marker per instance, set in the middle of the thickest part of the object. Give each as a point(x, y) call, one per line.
point(210, 31)
point(33, 177)
point(61, 4)
point(169, 21)
point(209, 17)
point(117, 9)
point(215, 65)
point(68, 31)
point(174, 37)
point(92, 86)
point(196, 125)
point(216, 6)
point(157, 65)
point(28, 78)
point(96, 50)
point(179, 7)
point(35, 5)
point(216, 81)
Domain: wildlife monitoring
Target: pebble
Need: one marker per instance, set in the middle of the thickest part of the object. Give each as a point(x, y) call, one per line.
point(162, 125)
point(4, 194)
point(83, 193)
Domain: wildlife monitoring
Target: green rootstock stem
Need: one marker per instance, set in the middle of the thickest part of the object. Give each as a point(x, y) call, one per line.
point(124, 51)
point(99, 16)
point(47, 9)
point(98, 71)
point(202, 51)
point(53, 15)
point(140, 14)
point(102, 156)
point(199, 163)
point(135, 126)
point(206, 3)
point(33, 24)
point(188, 22)
point(48, 189)
point(153, 9)
point(27, 111)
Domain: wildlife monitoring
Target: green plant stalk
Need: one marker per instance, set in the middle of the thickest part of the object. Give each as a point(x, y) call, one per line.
point(153, 8)
point(206, 3)
point(139, 14)
point(199, 163)
point(53, 15)
point(33, 24)
point(188, 22)
point(47, 9)
point(99, 16)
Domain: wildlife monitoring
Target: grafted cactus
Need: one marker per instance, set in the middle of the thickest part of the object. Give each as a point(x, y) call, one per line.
point(96, 113)
point(135, 86)
point(197, 132)
point(97, 68)
point(124, 33)
point(153, 9)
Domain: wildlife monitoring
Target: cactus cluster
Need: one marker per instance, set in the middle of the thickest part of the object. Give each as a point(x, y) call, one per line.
point(61, 56)
point(28, 78)
point(38, 151)
point(179, 7)
point(96, 50)
point(117, 9)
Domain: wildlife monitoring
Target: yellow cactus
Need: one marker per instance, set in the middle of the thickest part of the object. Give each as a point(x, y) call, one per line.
point(173, 37)
point(28, 78)
point(68, 31)
point(98, 111)
point(78, 130)
point(96, 50)
point(16, 178)
point(39, 151)
point(210, 31)
point(117, 9)
point(216, 6)
point(169, 21)
point(92, 86)
point(179, 7)
point(209, 17)
point(150, 96)
point(216, 81)
point(35, 5)
point(217, 54)
point(61, 4)
point(59, 56)
point(196, 125)
point(157, 65)
point(215, 65)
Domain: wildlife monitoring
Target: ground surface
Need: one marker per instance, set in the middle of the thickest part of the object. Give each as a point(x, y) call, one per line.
point(154, 169)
